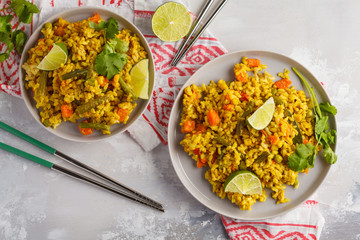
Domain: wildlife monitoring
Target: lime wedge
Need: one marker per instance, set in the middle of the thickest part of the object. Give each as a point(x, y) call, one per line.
point(263, 115)
point(53, 60)
point(140, 79)
point(171, 21)
point(244, 182)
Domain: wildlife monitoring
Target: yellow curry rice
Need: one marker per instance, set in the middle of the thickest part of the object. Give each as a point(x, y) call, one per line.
point(83, 44)
point(262, 152)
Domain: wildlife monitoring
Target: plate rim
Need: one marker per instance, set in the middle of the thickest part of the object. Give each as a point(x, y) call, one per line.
point(178, 167)
point(32, 40)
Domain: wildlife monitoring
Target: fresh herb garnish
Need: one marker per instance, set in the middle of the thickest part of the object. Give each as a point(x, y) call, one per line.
point(113, 58)
point(304, 155)
point(15, 39)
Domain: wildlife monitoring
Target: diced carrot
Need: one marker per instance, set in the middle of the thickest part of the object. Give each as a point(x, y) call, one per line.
point(306, 170)
point(233, 167)
point(253, 62)
point(85, 131)
point(244, 97)
point(123, 113)
point(200, 128)
point(196, 151)
point(305, 141)
point(263, 132)
point(213, 118)
point(283, 83)
point(227, 97)
point(200, 164)
point(241, 76)
point(228, 107)
point(59, 31)
point(50, 47)
point(203, 160)
point(96, 18)
point(273, 139)
point(188, 126)
point(66, 110)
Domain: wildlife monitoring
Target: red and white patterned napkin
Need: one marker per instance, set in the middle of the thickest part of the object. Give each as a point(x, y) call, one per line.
point(304, 222)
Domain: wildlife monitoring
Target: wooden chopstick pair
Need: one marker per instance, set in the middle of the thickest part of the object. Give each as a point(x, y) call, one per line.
point(185, 46)
point(121, 189)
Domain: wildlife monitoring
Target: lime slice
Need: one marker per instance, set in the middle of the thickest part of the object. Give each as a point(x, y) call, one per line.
point(53, 60)
point(244, 182)
point(263, 115)
point(171, 21)
point(140, 79)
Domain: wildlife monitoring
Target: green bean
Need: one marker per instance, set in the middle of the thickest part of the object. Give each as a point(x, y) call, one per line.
point(126, 88)
point(262, 157)
point(75, 73)
point(98, 126)
point(46, 123)
point(241, 122)
point(91, 104)
point(273, 91)
point(42, 83)
point(277, 100)
point(221, 140)
point(298, 137)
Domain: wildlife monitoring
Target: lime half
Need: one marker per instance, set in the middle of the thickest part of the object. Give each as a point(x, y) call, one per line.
point(53, 60)
point(171, 22)
point(263, 115)
point(244, 182)
point(140, 79)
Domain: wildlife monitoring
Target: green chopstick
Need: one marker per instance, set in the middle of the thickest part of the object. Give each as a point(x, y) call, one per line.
point(125, 191)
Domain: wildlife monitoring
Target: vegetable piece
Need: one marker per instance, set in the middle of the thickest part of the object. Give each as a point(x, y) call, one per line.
point(98, 126)
point(85, 131)
point(126, 88)
point(24, 10)
point(241, 76)
point(327, 107)
point(299, 160)
point(273, 139)
point(277, 100)
point(66, 110)
point(110, 63)
point(119, 45)
point(213, 117)
point(189, 126)
point(283, 83)
point(241, 122)
point(262, 157)
point(19, 38)
point(200, 128)
point(244, 97)
point(228, 107)
point(60, 31)
point(253, 62)
point(200, 164)
point(42, 83)
point(298, 139)
point(123, 113)
point(76, 73)
point(221, 140)
point(91, 104)
point(96, 18)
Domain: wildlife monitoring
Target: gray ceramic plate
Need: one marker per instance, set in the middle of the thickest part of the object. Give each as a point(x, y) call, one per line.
point(193, 177)
point(70, 130)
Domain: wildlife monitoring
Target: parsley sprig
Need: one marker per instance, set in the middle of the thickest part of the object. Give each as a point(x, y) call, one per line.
point(304, 155)
point(16, 39)
point(113, 57)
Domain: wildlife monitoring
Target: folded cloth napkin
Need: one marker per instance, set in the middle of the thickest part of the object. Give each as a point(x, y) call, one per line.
point(304, 222)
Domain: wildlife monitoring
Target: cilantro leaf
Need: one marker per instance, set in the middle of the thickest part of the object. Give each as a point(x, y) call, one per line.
point(320, 126)
point(119, 45)
point(327, 107)
point(5, 26)
point(3, 56)
point(109, 64)
point(100, 26)
point(112, 28)
point(19, 39)
point(24, 10)
point(329, 155)
point(303, 157)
